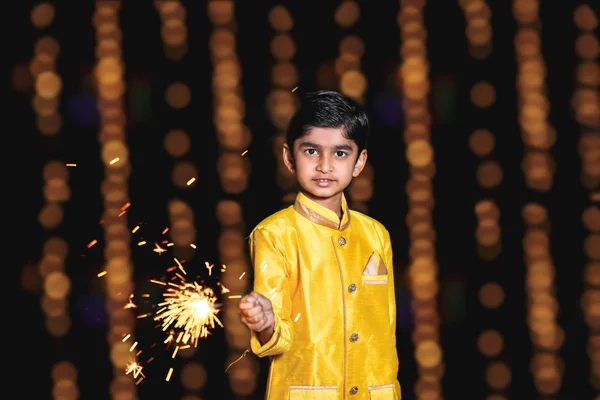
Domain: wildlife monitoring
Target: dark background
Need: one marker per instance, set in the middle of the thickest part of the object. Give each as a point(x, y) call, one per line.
point(453, 71)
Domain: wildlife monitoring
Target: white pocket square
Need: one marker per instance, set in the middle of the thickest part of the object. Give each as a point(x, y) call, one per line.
point(375, 266)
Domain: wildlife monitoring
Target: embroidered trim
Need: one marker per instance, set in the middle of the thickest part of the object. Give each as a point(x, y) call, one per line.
point(312, 387)
point(318, 218)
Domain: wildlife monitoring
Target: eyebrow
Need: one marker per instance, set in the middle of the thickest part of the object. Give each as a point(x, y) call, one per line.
point(338, 147)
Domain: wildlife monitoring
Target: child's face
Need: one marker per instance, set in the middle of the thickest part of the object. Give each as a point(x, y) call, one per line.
point(324, 162)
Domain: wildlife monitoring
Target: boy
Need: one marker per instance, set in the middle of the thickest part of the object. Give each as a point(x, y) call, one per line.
point(323, 306)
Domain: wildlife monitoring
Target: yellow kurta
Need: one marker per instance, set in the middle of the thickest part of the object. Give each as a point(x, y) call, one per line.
point(331, 283)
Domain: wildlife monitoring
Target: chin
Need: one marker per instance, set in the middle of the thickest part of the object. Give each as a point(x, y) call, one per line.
point(323, 193)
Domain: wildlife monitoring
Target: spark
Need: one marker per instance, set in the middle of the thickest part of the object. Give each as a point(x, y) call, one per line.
point(71, 165)
point(158, 249)
point(122, 213)
point(93, 242)
point(143, 242)
point(125, 206)
point(135, 229)
point(294, 89)
point(101, 274)
point(242, 275)
point(133, 346)
point(189, 308)
point(114, 160)
point(223, 267)
point(297, 317)
point(126, 337)
point(165, 230)
point(169, 374)
point(180, 266)
point(135, 369)
point(130, 304)
point(192, 180)
point(263, 265)
point(235, 296)
point(209, 267)
point(192, 245)
point(244, 153)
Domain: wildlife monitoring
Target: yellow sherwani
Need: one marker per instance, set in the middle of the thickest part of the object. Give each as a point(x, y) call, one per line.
point(331, 284)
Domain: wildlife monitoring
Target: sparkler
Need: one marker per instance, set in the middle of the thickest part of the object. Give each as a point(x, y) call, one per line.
point(190, 308)
point(187, 312)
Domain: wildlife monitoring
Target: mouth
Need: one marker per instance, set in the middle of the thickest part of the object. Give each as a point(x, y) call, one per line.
point(323, 182)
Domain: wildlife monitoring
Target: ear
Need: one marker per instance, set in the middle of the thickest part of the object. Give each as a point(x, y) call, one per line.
point(360, 163)
point(288, 158)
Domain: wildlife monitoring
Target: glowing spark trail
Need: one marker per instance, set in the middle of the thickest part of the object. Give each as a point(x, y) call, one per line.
point(190, 308)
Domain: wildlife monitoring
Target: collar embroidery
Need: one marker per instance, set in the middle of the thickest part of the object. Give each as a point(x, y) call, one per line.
point(321, 215)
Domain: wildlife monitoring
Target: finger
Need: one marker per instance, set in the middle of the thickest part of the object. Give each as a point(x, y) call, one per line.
point(248, 315)
point(253, 312)
point(247, 305)
point(248, 299)
point(257, 319)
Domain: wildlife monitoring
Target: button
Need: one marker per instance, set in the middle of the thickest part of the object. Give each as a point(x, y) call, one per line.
point(354, 337)
point(354, 390)
point(352, 288)
point(342, 241)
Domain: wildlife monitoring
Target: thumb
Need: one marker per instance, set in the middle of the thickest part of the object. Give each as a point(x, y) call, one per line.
point(264, 302)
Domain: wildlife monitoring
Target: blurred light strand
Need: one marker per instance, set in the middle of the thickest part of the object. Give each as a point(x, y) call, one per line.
point(488, 234)
point(282, 99)
point(586, 106)
point(353, 83)
point(110, 85)
point(233, 138)
point(413, 75)
point(56, 191)
point(538, 167)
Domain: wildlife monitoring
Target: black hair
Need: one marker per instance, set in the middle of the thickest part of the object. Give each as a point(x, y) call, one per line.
point(330, 109)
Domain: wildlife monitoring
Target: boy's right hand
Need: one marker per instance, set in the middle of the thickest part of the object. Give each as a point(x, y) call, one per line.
point(257, 312)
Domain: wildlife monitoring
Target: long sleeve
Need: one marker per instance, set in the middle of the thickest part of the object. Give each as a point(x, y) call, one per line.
point(271, 279)
point(389, 262)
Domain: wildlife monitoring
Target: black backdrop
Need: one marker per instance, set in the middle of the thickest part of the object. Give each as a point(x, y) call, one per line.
point(453, 71)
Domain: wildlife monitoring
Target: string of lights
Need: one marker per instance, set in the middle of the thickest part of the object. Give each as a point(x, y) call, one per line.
point(538, 137)
point(56, 192)
point(482, 141)
point(233, 138)
point(586, 107)
point(353, 83)
point(182, 226)
point(118, 266)
point(413, 75)
point(281, 99)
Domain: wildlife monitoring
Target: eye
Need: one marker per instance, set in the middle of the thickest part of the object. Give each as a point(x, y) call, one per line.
point(340, 154)
point(310, 151)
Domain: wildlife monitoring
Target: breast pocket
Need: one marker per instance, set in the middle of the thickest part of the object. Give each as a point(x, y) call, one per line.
point(382, 392)
point(313, 393)
point(375, 297)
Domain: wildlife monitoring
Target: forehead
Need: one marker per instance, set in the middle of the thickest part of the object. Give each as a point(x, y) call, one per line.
point(326, 137)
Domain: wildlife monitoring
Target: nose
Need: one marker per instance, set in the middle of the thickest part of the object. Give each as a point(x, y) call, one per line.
point(325, 165)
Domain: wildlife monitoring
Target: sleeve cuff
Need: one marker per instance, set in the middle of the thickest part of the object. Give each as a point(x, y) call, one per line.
point(261, 350)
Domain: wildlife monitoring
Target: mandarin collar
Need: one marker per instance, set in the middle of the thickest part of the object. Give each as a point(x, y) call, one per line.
point(322, 215)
